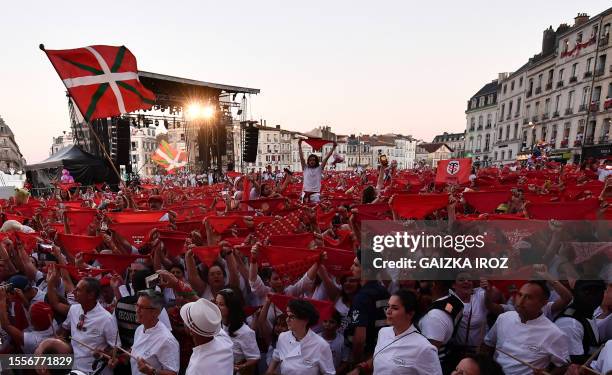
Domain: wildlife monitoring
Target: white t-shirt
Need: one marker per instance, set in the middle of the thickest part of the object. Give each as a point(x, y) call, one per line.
point(538, 341)
point(574, 333)
point(245, 344)
point(31, 339)
point(409, 353)
point(437, 325)
point(214, 357)
point(157, 346)
point(310, 356)
point(602, 173)
point(340, 352)
point(474, 315)
point(312, 179)
point(99, 331)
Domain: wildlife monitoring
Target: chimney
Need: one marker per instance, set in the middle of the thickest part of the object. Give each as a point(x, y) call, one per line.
point(581, 19)
point(548, 41)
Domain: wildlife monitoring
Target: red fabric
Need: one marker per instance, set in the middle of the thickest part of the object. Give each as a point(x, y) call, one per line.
point(190, 225)
point(29, 240)
point(292, 240)
point(455, 171)
point(77, 274)
point(344, 240)
point(21, 320)
point(222, 223)
point(75, 244)
point(325, 308)
point(71, 63)
point(418, 206)
point(271, 204)
point(174, 241)
point(135, 217)
point(135, 233)
point(73, 204)
point(324, 219)
point(15, 217)
point(78, 220)
point(574, 210)
point(206, 254)
point(375, 209)
point(514, 280)
point(338, 261)
point(115, 262)
point(232, 174)
point(486, 201)
point(316, 143)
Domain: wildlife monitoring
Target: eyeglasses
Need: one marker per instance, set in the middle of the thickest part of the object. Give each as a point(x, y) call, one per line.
point(291, 317)
point(81, 324)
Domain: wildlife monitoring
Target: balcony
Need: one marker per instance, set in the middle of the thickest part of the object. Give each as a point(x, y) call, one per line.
point(471, 128)
point(538, 90)
point(573, 79)
point(588, 74)
point(577, 143)
point(582, 108)
point(488, 126)
point(556, 114)
point(559, 84)
point(604, 40)
point(603, 139)
point(528, 94)
point(589, 141)
point(568, 111)
point(549, 86)
point(594, 107)
point(517, 114)
point(508, 117)
point(545, 116)
point(608, 104)
point(479, 127)
point(599, 72)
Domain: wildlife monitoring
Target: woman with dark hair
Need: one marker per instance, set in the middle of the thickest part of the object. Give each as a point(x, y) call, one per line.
point(300, 351)
point(400, 348)
point(313, 172)
point(246, 352)
point(478, 364)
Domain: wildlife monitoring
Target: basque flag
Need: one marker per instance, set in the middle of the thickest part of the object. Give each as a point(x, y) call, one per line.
point(102, 80)
point(454, 171)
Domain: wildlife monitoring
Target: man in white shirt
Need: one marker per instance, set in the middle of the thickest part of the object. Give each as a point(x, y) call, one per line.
point(528, 335)
point(213, 349)
point(87, 322)
point(154, 344)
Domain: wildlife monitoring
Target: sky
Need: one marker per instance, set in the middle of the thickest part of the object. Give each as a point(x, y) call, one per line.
point(358, 66)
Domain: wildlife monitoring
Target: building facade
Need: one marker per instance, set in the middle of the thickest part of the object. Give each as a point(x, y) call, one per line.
point(143, 145)
point(429, 154)
point(11, 159)
point(456, 141)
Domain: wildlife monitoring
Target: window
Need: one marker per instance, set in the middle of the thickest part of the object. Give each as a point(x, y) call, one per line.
point(505, 87)
point(510, 109)
point(546, 106)
point(544, 131)
point(521, 82)
point(133, 146)
point(588, 64)
point(596, 94)
point(557, 101)
point(481, 101)
point(479, 142)
point(518, 106)
point(527, 111)
point(487, 141)
point(537, 109)
point(539, 80)
point(553, 136)
point(585, 95)
point(570, 100)
point(512, 86)
point(472, 123)
point(561, 74)
point(516, 130)
point(473, 103)
point(495, 155)
point(579, 38)
point(606, 30)
point(501, 131)
point(601, 65)
point(480, 121)
point(510, 154)
point(530, 89)
point(550, 75)
point(503, 155)
point(565, 45)
point(609, 91)
point(507, 132)
point(574, 67)
point(489, 119)
point(503, 110)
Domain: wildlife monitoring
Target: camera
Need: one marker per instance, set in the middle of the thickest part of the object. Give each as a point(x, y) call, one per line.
point(152, 281)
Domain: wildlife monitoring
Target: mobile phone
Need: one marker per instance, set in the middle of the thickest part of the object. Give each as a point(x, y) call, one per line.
point(152, 281)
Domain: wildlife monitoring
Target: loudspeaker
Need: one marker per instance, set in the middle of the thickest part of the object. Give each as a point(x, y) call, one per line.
point(222, 139)
point(123, 144)
point(251, 138)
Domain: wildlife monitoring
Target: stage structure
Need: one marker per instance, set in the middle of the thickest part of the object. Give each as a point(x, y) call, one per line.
point(198, 116)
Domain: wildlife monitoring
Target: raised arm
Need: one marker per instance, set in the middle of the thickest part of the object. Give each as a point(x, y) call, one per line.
point(302, 160)
point(324, 162)
point(15, 333)
point(193, 277)
point(52, 279)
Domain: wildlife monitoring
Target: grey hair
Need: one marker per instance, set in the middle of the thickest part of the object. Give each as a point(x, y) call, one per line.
point(155, 297)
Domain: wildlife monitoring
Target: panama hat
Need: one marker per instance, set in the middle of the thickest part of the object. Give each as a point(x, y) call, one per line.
point(202, 317)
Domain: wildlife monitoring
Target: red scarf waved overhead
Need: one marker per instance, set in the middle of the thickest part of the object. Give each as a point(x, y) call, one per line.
point(325, 308)
point(418, 206)
point(316, 143)
point(75, 244)
point(486, 201)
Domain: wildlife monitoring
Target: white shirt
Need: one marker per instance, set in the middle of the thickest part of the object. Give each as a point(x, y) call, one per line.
point(437, 325)
point(100, 331)
point(312, 179)
point(604, 361)
point(538, 341)
point(33, 338)
point(157, 347)
point(474, 315)
point(214, 357)
point(245, 344)
point(409, 353)
point(340, 352)
point(310, 356)
point(574, 333)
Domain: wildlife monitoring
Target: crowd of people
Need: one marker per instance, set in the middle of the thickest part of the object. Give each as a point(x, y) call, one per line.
point(261, 273)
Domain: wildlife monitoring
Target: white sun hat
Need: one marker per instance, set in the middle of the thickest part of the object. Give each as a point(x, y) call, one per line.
point(202, 317)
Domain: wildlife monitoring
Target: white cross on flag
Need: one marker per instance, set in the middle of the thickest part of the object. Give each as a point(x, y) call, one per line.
point(454, 171)
point(102, 80)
